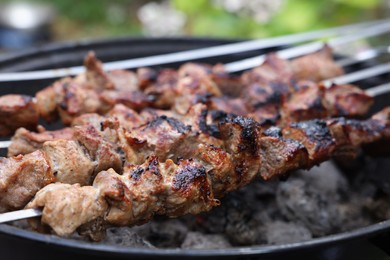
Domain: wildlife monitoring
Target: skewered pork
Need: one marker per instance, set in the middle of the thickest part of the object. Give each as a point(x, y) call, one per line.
point(310, 101)
point(194, 184)
point(97, 91)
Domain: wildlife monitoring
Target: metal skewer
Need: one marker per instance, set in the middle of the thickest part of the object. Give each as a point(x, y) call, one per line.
point(308, 48)
point(20, 214)
point(370, 28)
point(4, 144)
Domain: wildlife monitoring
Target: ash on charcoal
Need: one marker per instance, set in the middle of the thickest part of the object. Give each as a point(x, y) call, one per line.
point(165, 233)
point(319, 201)
point(198, 240)
point(234, 219)
point(381, 208)
point(125, 237)
point(279, 232)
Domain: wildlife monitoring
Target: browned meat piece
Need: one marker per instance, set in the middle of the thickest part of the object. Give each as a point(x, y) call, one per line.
point(47, 99)
point(256, 95)
point(163, 89)
point(100, 145)
point(86, 203)
point(274, 72)
point(229, 84)
point(77, 100)
point(315, 136)
point(193, 185)
point(316, 101)
point(194, 70)
point(280, 156)
point(126, 116)
point(316, 66)
point(91, 118)
point(25, 141)
point(166, 137)
point(146, 76)
point(133, 99)
point(266, 115)
point(72, 97)
point(304, 104)
point(21, 177)
point(124, 80)
point(95, 77)
point(229, 105)
point(343, 100)
point(17, 111)
point(150, 114)
point(68, 161)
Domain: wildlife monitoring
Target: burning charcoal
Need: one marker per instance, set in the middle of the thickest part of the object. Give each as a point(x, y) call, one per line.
point(312, 199)
point(302, 203)
point(279, 232)
point(381, 208)
point(125, 237)
point(198, 240)
point(164, 233)
point(234, 218)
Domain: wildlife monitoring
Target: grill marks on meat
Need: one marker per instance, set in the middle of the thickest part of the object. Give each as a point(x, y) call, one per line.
point(95, 91)
point(194, 184)
point(315, 136)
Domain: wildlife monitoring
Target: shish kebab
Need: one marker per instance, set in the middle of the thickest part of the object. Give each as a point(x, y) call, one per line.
point(97, 90)
point(143, 179)
point(280, 155)
point(267, 97)
point(261, 99)
point(27, 195)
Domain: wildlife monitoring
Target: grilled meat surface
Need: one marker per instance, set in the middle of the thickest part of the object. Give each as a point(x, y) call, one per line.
point(133, 194)
point(15, 109)
point(309, 102)
point(96, 91)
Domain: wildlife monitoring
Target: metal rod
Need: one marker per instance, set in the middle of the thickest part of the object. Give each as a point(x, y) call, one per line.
point(360, 75)
point(378, 90)
point(308, 48)
point(195, 54)
point(364, 56)
point(20, 214)
point(4, 144)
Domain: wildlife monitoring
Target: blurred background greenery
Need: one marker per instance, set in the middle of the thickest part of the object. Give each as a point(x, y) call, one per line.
point(75, 19)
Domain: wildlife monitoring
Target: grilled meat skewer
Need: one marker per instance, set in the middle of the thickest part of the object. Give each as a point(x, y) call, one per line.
point(105, 144)
point(194, 184)
point(311, 101)
point(100, 144)
point(97, 91)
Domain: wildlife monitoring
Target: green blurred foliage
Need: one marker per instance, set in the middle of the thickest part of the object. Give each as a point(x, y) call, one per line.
point(294, 16)
point(94, 18)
